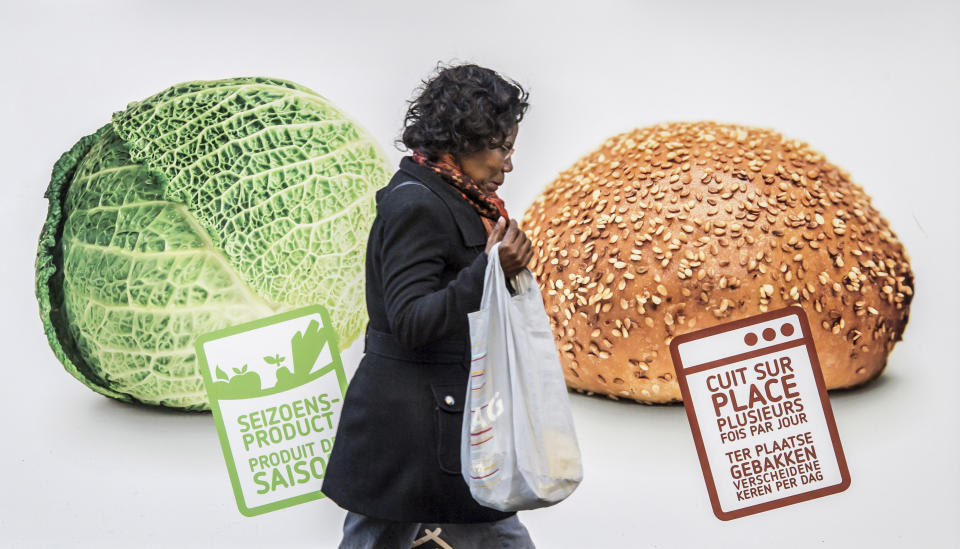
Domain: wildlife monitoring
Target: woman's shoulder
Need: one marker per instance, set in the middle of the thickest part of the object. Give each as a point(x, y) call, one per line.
point(408, 197)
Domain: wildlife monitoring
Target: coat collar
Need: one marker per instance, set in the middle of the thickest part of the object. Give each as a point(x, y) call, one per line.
point(466, 217)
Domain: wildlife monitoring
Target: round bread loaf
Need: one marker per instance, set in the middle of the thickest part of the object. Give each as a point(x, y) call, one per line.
point(681, 226)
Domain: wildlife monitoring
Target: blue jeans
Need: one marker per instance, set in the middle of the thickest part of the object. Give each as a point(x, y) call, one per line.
point(363, 532)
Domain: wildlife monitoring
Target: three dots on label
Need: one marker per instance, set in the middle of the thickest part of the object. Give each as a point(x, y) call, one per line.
point(768, 334)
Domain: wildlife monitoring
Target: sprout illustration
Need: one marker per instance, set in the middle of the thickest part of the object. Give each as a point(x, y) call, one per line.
point(244, 383)
point(276, 360)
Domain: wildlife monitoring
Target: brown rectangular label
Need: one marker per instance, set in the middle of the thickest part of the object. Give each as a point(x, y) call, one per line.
point(759, 413)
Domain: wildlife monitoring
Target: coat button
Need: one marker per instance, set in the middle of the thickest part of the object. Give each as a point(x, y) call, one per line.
point(449, 400)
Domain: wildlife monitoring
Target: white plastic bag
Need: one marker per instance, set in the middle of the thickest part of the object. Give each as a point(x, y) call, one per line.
point(518, 445)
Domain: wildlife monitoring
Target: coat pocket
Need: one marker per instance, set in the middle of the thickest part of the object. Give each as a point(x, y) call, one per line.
point(448, 423)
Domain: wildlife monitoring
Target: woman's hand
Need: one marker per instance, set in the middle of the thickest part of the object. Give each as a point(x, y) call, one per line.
point(516, 250)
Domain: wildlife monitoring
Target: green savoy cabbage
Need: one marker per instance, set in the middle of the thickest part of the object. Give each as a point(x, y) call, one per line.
point(204, 206)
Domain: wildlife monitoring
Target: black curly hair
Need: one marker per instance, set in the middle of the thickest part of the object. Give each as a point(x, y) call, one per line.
point(463, 109)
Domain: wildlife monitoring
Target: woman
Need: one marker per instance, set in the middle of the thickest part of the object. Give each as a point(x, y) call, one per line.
point(396, 460)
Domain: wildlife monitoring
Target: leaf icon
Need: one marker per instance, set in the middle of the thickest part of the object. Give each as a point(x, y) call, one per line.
point(221, 374)
point(269, 360)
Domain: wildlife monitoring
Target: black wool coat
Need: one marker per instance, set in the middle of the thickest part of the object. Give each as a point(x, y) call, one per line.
point(397, 449)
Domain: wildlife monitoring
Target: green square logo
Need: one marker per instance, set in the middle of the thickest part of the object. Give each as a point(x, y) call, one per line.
point(276, 388)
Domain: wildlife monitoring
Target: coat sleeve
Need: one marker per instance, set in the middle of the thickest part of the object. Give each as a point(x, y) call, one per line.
point(417, 235)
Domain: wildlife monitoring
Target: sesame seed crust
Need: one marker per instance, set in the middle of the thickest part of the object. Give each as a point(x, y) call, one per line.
point(680, 226)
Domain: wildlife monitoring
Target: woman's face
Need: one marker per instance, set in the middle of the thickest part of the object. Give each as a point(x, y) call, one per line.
point(486, 167)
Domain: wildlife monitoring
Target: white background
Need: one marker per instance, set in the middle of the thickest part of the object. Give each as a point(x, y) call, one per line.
point(874, 85)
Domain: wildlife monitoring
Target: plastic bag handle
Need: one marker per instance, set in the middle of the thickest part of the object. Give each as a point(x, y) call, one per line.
point(522, 282)
point(493, 279)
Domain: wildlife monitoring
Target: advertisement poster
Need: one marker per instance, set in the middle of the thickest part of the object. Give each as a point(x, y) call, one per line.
point(188, 204)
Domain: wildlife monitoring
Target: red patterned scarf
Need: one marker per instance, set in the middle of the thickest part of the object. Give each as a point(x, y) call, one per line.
point(489, 206)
